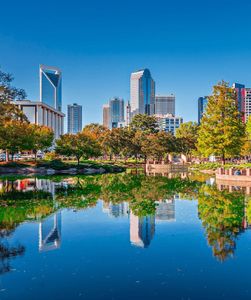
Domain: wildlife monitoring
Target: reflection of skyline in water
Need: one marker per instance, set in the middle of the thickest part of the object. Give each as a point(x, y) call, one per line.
point(141, 228)
point(50, 233)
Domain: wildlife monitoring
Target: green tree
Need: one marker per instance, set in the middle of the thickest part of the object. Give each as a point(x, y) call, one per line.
point(144, 123)
point(42, 138)
point(158, 145)
point(8, 93)
point(79, 145)
point(187, 135)
point(15, 136)
point(222, 131)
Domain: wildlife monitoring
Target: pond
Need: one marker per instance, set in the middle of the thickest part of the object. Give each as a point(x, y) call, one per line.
point(123, 236)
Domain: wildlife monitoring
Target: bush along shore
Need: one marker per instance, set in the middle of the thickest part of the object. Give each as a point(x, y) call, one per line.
point(58, 167)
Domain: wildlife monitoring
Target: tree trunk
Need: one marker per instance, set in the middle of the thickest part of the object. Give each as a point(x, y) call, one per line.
point(223, 158)
point(6, 156)
point(35, 152)
point(78, 159)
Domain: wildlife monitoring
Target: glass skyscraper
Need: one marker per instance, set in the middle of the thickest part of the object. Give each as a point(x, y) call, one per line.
point(202, 104)
point(51, 86)
point(165, 105)
point(142, 93)
point(74, 118)
point(117, 112)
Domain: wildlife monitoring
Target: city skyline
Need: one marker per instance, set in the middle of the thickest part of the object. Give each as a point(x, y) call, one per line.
point(184, 58)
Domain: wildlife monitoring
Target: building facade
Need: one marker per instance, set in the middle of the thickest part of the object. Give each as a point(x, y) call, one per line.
point(42, 114)
point(202, 104)
point(240, 92)
point(117, 112)
point(51, 86)
point(246, 94)
point(169, 123)
point(142, 93)
point(164, 105)
point(74, 118)
point(106, 115)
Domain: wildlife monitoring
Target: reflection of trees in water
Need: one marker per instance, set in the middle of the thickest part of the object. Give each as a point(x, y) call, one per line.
point(7, 252)
point(222, 215)
point(139, 190)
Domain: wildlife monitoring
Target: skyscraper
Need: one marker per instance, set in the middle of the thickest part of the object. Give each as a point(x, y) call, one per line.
point(51, 86)
point(165, 105)
point(240, 92)
point(202, 104)
point(74, 118)
point(106, 115)
point(117, 112)
point(142, 93)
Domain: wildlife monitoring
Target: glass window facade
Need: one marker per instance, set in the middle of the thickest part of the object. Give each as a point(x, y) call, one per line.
point(51, 87)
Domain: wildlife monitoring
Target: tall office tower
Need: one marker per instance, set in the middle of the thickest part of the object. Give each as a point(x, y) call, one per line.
point(165, 105)
point(117, 112)
point(240, 92)
point(74, 118)
point(142, 93)
point(51, 86)
point(106, 115)
point(202, 104)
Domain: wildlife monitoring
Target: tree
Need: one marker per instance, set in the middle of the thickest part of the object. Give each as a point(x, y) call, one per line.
point(15, 136)
point(95, 130)
point(8, 93)
point(112, 142)
point(144, 123)
point(42, 138)
point(187, 135)
point(158, 145)
point(79, 145)
point(221, 132)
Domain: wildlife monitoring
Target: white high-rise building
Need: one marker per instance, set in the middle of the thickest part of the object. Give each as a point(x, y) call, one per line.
point(169, 123)
point(165, 105)
point(40, 113)
point(142, 93)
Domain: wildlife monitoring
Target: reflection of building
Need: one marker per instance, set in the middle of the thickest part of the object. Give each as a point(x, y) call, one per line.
point(32, 184)
point(165, 211)
point(50, 233)
point(142, 93)
point(74, 118)
point(165, 105)
point(142, 230)
point(115, 210)
point(51, 86)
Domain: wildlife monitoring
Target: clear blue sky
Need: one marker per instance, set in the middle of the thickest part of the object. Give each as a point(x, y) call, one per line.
point(187, 45)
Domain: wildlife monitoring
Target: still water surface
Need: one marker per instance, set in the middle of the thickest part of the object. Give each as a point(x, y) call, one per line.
point(123, 237)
